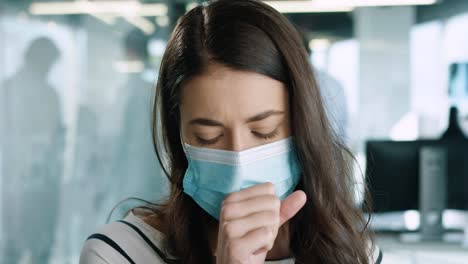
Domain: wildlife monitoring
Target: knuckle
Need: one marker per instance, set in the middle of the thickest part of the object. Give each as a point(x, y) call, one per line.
point(277, 221)
point(229, 230)
point(271, 237)
point(276, 201)
point(228, 210)
point(269, 234)
point(270, 187)
point(230, 197)
point(270, 246)
point(225, 211)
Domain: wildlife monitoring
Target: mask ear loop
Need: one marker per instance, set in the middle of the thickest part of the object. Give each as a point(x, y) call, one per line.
point(182, 143)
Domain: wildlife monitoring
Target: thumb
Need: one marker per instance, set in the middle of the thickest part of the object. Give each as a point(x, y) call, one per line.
point(291, 205)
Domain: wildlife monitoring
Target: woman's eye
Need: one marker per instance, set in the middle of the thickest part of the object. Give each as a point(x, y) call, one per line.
point(203, 142)
point(266, 136)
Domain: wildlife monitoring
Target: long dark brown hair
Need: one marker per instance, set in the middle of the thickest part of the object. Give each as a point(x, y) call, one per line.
point(251, 36)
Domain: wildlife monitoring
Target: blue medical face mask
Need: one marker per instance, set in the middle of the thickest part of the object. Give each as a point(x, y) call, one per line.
point(212, 174)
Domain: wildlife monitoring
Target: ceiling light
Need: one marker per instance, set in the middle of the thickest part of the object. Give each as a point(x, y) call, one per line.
point(142, 23)
point(162, 21)
point(319, 44)
point(311, 6)
point(361, 3)
point(117, 8)
point(307, 6)
point(110, 20)
point(132, 66)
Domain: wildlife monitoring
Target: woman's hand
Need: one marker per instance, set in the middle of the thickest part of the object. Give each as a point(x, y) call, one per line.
point(249, 223)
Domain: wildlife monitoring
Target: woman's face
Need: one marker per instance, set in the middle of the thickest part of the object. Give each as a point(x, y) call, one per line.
point(233, 110)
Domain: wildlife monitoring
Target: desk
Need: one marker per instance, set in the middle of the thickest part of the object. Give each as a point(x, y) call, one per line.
point(397, 252)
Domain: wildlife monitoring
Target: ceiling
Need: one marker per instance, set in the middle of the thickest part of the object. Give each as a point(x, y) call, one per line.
point(334, 25)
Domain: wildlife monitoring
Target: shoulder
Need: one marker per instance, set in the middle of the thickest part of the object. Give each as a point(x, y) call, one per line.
point(130, 240)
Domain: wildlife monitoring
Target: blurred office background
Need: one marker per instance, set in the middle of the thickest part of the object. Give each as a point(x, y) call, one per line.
point(76, 85)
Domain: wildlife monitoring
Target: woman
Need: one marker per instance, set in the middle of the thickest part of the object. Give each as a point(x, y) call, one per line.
point(256, 172)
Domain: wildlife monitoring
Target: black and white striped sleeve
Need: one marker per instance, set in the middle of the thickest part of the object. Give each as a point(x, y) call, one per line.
point(119, 243)
point(377, 256)
point(92, 253)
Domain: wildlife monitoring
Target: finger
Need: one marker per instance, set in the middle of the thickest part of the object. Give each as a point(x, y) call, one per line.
point(254, 241)
point(235, 210)
point(260, 251)
point(291, 205)
point(240, 227)
point(256, 190)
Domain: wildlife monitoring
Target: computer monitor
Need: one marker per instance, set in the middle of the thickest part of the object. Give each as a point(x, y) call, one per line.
point(392, 173)
point(457, 181)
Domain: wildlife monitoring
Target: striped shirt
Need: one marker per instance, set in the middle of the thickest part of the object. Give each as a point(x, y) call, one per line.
point(132, 240)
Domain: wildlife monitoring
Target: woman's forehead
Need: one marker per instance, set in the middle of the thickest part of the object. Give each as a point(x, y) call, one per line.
point(223, 90)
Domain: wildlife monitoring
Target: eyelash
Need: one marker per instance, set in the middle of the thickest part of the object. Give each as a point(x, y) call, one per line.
point(204, 142)
point(266, 136)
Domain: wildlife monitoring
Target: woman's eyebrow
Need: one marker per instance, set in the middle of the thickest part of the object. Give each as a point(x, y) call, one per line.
point(264, 115)
point(205, 122)
point(258, 117)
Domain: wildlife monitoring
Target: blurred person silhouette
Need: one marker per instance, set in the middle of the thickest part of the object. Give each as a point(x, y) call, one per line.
point(333, 96)
point(136, 164)
point(458, 82)
point(454, 131)
point(458, 94)
point(33, 142)
point(334, 100)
